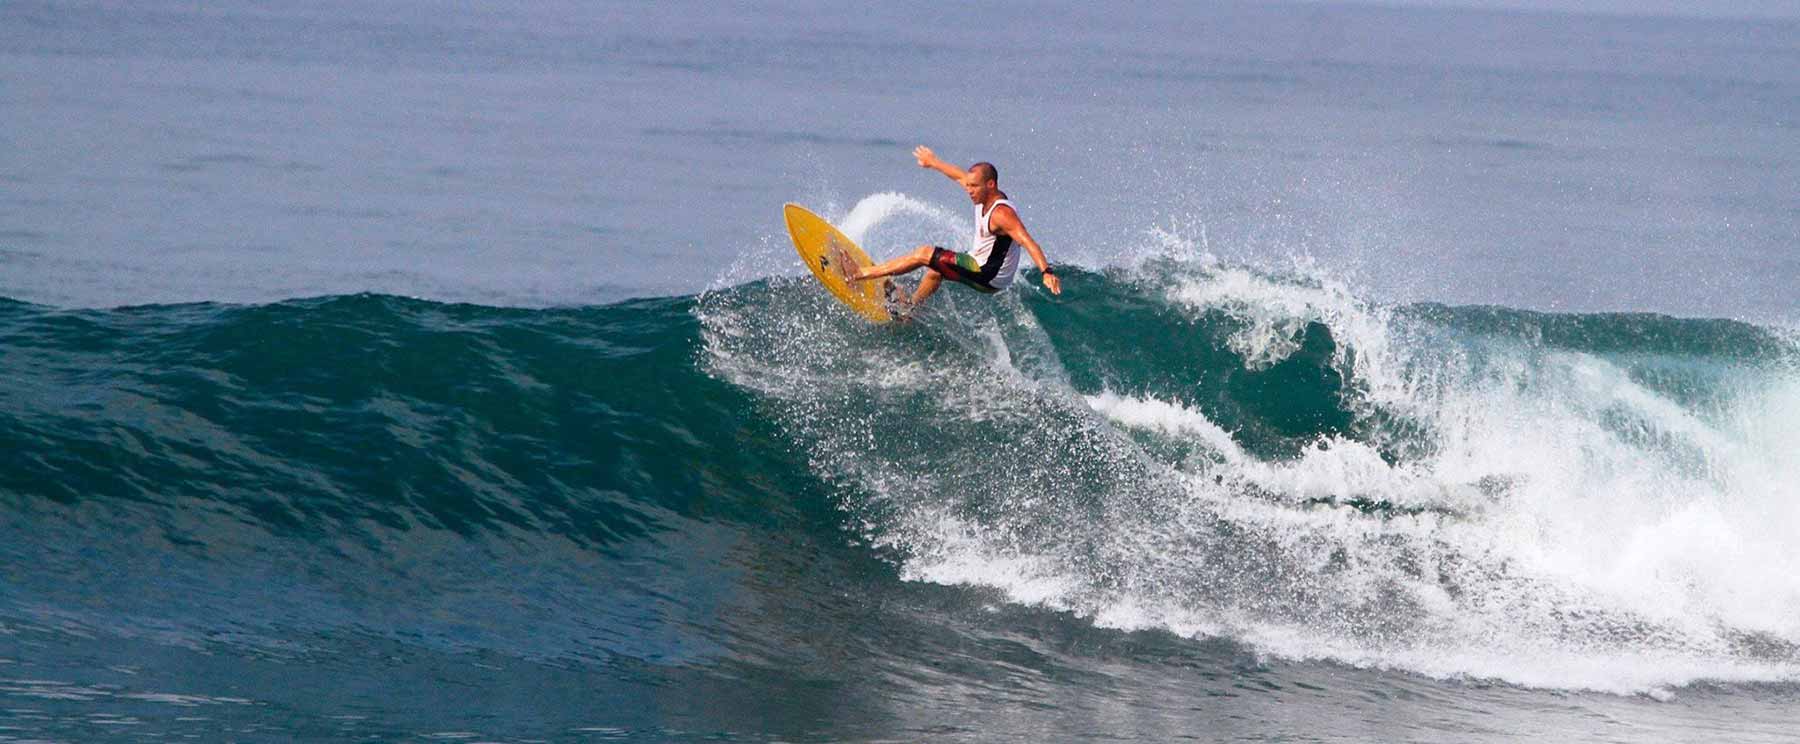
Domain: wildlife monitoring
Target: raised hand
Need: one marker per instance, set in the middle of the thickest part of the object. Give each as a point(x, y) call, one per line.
point(926, 158)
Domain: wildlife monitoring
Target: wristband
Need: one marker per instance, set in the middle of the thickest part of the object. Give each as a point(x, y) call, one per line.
point(1049, 271)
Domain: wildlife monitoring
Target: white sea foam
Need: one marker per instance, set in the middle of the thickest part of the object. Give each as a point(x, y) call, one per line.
point(1168, 418)
point(1622, 496)
point(1567, 525)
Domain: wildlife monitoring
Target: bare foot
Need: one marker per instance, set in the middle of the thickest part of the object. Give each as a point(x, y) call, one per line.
point(896, 301)
point(846, 265)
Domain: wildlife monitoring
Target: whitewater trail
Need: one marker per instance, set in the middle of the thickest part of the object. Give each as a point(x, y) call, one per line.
point(1498, 507)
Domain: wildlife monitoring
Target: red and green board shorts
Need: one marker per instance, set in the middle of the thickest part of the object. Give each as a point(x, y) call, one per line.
point(961, 267)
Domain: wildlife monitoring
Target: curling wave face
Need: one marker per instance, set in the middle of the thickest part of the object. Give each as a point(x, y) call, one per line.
point(1581, 502)
point(1591, 502)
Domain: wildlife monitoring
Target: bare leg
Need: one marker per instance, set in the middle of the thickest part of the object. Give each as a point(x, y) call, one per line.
point(918, 258)
point(927, 284)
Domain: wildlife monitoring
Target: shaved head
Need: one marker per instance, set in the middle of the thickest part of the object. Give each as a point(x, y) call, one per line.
point(985, 171)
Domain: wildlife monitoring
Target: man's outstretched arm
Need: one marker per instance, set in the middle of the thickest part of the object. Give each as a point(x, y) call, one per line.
point(929, 159)
point(1007, 221)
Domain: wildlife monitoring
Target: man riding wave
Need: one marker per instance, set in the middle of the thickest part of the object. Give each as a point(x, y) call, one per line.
point(993, 257)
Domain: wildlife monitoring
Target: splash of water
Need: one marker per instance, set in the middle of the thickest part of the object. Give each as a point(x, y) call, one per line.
point(1503, 507)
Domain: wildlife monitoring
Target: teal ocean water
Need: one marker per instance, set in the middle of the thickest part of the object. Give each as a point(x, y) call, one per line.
point(424, 371)
point(749, 515)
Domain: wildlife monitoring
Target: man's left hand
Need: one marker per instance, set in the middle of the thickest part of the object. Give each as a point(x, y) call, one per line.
point(1052, 283)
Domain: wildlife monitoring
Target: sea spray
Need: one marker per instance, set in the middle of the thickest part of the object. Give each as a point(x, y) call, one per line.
point(1494, 504)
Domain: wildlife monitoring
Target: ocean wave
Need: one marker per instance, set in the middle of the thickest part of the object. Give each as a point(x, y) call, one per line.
point(1568, 501)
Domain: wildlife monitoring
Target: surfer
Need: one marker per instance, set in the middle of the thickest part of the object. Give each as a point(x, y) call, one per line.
point(992, 259)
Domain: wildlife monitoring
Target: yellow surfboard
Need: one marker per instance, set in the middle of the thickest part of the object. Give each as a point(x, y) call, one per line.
point(829, 253)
